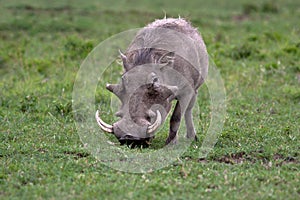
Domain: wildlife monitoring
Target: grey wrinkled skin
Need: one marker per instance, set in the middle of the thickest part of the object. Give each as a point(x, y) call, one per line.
point(167, 61)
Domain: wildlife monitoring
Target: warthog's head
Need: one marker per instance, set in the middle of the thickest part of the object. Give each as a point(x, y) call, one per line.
point(145, 100)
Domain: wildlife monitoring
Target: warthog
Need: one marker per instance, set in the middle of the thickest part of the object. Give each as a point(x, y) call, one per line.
point(167, 60)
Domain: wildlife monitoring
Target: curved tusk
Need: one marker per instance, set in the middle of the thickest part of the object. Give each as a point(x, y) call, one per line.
point(156, 124)
point(104, 126)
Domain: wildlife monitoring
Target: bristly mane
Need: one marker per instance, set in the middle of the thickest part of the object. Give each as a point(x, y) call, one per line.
point(142, 56)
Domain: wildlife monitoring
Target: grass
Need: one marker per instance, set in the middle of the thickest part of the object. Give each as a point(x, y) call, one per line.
point(256, 47)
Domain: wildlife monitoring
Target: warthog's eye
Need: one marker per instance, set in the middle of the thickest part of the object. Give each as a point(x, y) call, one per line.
point(155, 79)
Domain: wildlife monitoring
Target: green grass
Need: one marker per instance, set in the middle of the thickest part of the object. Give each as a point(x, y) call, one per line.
point(256, 46)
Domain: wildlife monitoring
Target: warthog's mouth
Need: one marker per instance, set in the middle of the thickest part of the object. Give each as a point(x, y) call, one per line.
point(130, 140)
point(136, 142)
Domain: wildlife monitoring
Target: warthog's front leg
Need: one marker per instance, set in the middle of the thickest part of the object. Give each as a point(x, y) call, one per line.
point(184, 105)
point(174, 124)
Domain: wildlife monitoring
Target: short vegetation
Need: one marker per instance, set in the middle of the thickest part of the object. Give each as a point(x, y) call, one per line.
point(254, 44)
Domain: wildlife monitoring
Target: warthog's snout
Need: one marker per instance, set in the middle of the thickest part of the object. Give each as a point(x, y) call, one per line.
point(141, 135)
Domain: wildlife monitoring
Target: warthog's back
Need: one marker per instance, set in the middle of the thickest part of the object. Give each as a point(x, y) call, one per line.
point(177, 35)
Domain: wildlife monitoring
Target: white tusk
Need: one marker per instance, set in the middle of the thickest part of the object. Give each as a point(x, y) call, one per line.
point(156, 124)
point(104, 126)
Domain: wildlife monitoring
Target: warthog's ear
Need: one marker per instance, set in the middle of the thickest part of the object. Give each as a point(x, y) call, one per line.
point(115, 88)
point(167, 58)
point(172, 92)
point(124, 60)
